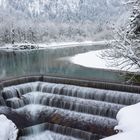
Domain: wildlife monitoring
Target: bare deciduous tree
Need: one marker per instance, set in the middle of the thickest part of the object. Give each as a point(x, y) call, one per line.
point(125, 51)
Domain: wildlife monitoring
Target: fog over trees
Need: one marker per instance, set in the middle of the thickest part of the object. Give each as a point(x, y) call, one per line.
point(58, 20)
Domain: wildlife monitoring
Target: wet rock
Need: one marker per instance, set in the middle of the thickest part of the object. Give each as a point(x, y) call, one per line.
point(19, 120)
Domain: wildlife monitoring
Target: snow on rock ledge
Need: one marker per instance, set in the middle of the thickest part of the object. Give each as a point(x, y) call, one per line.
point(128, 124)
point(8, 130)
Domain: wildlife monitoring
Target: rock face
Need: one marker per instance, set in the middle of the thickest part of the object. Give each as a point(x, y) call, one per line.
point(8, 130)
point(18, 119)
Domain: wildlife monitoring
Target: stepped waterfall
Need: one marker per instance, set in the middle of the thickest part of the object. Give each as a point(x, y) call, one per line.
point(59, 111)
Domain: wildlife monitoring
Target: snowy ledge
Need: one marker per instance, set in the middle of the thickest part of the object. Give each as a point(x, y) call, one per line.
point(8, 131)
point(128, 124)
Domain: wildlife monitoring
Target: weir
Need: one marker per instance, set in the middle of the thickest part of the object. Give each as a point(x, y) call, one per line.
point(61, 108)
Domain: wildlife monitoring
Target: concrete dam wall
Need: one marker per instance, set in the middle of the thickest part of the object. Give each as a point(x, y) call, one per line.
point(64, 108)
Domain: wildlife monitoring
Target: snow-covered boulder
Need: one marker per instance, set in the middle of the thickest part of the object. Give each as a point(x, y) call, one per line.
point(128, 124)
point(129, 118)
point(8, 130)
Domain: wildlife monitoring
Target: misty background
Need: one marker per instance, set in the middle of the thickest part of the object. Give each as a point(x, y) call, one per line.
point(45, 21)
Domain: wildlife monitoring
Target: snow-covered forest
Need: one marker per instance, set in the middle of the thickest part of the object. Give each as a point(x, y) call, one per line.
point(59, 20)
point(125, 51)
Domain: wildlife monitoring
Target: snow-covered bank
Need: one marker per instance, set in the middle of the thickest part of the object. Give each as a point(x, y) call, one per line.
point(8, 130)
point(93, 59)
point(56, 44)
point(48, 45)
point(71, 44)
point(128, 124)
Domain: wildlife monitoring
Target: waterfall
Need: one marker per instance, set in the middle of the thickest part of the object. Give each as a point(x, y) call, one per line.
point(61, 111)
point(71, 103)
point(59, 129)
point(117, 97)
point(49, 135)
point(85, 122)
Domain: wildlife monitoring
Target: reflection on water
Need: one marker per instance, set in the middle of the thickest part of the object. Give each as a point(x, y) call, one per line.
point(17, 63)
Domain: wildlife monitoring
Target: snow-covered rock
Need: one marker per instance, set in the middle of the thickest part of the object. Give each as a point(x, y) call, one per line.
point(128, 124)
point(129, 118)
point(8, 130)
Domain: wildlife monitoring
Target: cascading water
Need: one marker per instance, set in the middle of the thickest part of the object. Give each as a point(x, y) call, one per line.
point(63, 112)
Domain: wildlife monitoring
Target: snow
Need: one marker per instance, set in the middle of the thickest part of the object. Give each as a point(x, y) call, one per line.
point(88, 60)
point(133, 135)
point(93, 59)
point(128, 118)
point(3, 3)
point(55, 45)
point(8, 131)
point(128, 124)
